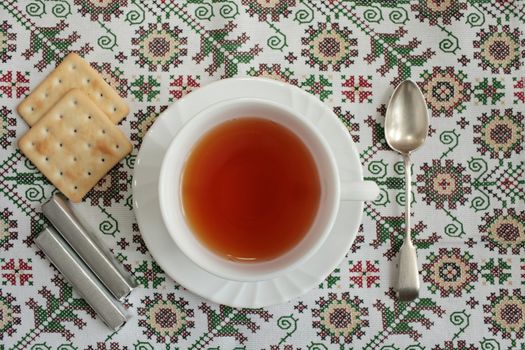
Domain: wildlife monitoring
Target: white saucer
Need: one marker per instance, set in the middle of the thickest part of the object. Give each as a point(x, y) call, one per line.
point(183, 270)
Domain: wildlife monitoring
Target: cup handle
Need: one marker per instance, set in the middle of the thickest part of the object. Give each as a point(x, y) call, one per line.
point(359, 190)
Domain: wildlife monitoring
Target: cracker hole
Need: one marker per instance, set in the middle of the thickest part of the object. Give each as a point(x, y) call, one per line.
point(114, 109)
point(88, 81)
point(74, 159)
point(75, 102)
point(89, 173)
point(117, 146)
point(60, 173)
point(89, 116)
point(102, 159)
point(60, 145)
point(75, 131)
point(59, 81)
point(89, 145)
point(103, 131)
point(73, 67)
point(46, 95)
point(101, 95)
point(60, 116)
point(31, 108)
point(76, 188)
point(46, 159)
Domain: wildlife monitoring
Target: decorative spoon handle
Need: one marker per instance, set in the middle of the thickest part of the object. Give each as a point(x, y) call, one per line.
point(408, 281)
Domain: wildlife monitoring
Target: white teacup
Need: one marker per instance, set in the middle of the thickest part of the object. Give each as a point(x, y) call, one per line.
point(332, 189)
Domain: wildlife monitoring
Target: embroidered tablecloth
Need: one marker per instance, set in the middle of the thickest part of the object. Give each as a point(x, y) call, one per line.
point(469, 214)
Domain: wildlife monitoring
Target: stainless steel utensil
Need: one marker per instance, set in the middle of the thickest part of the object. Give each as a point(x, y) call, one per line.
point(81, 278)
point(117, 281)
point(406, 129)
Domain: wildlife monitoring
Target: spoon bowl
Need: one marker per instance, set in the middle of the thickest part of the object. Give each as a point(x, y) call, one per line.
point(406, 122)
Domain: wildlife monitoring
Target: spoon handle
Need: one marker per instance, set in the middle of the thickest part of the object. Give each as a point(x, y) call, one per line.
point(408, 197)
point(408, 281)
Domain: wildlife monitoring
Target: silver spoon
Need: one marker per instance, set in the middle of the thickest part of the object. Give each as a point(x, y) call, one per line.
point(406, 129)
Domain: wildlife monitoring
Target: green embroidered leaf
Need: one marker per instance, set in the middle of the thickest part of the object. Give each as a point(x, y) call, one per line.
point(59, 310)
point(397, 54)
point(47, 42)
point(225, 52)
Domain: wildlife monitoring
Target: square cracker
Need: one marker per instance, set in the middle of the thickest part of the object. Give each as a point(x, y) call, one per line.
point(72, 73)
point(75, 144)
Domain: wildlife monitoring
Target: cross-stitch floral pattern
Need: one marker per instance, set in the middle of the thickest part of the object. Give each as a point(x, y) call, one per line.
point(102, 10)
point(348, 120)
point(319, 86)
point(504, 231)
point(110, 188)
point(114, 76)
point(14, 83)
point(269, 9)
point(159, 46)
point(468, 184)
point(445, 90)
point(500, 133)
point(500, 48)
point(9, 315)
point(505, 314)
point(182, 85)
point(340, 319)
point(16, 272)
point(439, 11)
point(145, 88)
point(143, 121)
point(165, 319)
point(329, 45)
point(519, 89)
point(364, 274)
point(357, 89)
point(7, 41)
point(489, 90)
point(443, 184)
point(8, 229)
point(7, 127)
point(149, 275)
point(450, 272)
point(496, 271)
